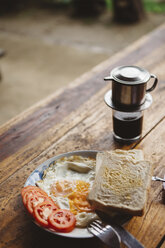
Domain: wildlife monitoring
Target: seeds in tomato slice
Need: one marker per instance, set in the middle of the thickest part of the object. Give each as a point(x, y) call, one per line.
point(42, 212)
point(62, 220)
point(32, 192)
point(25, 189)
point(30, 187)
point(34, 200)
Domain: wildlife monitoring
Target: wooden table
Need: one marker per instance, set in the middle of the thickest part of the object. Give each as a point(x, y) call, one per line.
point(76, 118)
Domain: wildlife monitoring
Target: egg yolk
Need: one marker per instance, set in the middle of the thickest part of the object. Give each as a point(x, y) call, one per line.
point(76, 192)
point(62, 188)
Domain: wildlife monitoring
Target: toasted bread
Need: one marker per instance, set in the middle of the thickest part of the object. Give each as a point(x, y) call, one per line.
point(134, 154)
point(121, 183)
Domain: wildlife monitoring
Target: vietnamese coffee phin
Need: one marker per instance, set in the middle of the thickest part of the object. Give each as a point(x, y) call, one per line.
point(128, 98)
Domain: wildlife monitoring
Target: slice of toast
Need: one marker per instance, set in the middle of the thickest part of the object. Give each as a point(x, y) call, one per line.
point(134, 154)
point(121, 183)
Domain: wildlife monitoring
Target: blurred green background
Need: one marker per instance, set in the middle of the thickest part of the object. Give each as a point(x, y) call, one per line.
point(157, 6)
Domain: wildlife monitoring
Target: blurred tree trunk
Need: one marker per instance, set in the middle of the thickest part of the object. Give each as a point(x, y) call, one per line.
point(128, 10)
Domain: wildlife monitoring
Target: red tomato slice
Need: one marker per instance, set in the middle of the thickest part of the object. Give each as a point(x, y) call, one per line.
point(27, 194)
point(42, 212)
point(32, 188)
point(25, 189)
point(34, 200)
point(62, 220)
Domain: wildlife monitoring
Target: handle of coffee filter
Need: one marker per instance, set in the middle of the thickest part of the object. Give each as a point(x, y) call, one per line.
point(108, 78)
point(154, 84)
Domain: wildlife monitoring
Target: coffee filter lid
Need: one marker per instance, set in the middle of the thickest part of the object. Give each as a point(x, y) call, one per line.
point(130, 75)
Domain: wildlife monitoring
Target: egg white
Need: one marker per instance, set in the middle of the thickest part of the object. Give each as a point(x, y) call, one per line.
point(70, 169)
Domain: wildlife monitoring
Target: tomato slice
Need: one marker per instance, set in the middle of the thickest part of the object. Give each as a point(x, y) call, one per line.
point(25, 189)
point(34, 200)
point(27, 194)
point(32, 188)
point(42, 212)
point(62, 220)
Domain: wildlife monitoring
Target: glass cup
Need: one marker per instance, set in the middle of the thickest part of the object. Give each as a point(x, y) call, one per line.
point(127, 126)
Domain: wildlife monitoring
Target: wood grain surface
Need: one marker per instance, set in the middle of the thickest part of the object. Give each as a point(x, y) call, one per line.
point(76, 118)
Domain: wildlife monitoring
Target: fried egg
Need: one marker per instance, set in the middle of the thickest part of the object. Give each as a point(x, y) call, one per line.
point(68, 182)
